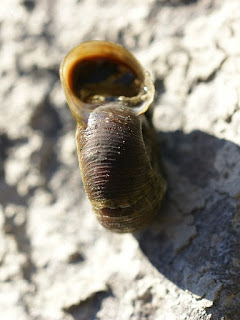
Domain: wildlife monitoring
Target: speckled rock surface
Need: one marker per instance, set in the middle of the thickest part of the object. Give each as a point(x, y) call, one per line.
point(56, 261)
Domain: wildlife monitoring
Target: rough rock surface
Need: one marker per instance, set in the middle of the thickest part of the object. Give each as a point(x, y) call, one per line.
point(56, 261)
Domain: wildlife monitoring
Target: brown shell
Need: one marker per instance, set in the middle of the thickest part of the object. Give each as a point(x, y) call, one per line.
point(108, 93)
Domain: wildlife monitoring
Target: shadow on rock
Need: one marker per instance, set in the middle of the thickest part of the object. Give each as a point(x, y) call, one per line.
point(195, 240)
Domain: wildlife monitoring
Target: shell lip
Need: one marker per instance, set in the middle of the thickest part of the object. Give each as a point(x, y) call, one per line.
point(81, 109)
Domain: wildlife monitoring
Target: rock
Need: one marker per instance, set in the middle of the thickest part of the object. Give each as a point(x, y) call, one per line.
point(56, 261)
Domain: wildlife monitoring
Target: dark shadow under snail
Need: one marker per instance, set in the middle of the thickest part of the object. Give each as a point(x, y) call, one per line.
point(109, 93)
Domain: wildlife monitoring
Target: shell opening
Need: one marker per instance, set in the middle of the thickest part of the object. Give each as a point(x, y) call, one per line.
point(98, 79)
point(99, 72)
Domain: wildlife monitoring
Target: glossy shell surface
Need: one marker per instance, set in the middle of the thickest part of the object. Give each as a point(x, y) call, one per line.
point(109, 93)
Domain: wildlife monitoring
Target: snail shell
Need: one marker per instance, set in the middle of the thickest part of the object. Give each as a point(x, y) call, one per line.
point(109, 94)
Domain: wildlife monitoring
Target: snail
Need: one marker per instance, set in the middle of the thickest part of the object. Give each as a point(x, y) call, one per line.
point(109, 94)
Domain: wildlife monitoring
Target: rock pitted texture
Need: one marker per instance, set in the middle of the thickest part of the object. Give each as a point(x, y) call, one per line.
point(56, 261)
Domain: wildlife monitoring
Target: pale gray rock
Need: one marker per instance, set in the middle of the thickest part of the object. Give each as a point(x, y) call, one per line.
point(56, 261)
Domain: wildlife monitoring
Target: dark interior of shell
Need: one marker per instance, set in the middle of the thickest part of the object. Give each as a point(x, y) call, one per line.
point(103, 76)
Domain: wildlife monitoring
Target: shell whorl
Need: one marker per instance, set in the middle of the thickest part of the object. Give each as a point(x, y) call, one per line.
point(116, 168)
point(109, 93)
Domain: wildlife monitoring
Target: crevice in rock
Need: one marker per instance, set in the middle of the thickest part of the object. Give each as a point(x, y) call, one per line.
point(5, 144)
point(46, 119)
point(75, 258)
point(159, 88)
point(208, 79)
point(88, 309)
point(29, 5)
point(19, 233)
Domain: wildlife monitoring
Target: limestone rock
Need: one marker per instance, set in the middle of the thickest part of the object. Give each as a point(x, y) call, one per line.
point(56, 261)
